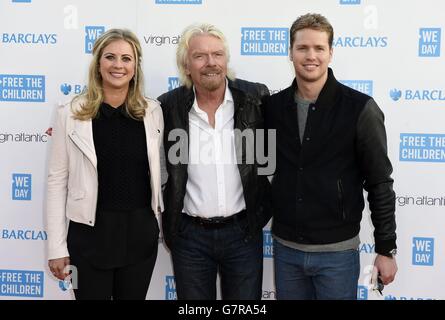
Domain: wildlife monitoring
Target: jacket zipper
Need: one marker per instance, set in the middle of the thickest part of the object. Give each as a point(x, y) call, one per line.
point(340, 198)
point(78, 141)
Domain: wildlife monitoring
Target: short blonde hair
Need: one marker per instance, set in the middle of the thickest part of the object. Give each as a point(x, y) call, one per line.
point(135, 102)
point(183, 46)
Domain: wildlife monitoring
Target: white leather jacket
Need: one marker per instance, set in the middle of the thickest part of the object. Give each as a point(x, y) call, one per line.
point(72, 172)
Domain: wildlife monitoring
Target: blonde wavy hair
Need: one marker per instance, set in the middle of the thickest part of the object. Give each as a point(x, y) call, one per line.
point(135, 103)
point(183, 46)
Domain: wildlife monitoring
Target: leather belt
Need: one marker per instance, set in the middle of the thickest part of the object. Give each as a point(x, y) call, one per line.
point(217, 222)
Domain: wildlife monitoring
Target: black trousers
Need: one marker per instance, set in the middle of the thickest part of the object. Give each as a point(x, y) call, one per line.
point(124, 283)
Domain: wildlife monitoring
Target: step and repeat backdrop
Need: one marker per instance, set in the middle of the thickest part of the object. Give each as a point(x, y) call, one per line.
point(390, 49)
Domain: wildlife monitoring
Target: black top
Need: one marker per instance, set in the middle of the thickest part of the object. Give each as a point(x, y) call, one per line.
point(126, 229)
point(122, 161)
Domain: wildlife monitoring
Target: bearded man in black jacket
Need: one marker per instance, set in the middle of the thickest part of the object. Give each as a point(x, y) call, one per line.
point(215, 208)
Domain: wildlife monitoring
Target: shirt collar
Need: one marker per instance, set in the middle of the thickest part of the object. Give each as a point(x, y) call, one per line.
point(108, 111)
point(227, 98)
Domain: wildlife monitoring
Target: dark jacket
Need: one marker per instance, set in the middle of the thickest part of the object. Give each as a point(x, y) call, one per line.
point(176, 105)
point(317, 190)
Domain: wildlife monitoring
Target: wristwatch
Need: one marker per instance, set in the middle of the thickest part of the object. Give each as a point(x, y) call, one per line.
point(390, 254)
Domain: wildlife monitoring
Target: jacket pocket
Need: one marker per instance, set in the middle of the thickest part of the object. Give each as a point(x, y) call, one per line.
point(76, 194)
point(341, 202)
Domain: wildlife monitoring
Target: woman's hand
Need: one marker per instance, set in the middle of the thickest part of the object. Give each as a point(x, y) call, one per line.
point(57, 267)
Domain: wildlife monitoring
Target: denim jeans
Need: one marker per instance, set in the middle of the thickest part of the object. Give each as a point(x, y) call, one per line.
point(200, 252)
point(315, 275)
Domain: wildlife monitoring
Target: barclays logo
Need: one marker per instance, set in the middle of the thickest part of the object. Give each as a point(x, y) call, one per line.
point(29, 38)
point(367, 248)
point(395, 94)
point(417, 95)
point(264, 41)
point(267, 244)
point(21, 186)
point(170, 288)
point(349, 1)
point(422, 147)
point(429, 95)
point(173, 83)
point(91, 35)
point(360, 42)
point(21, 283)
point(364, 86)
point(423, 251)
point(429, 42)
point(22, 88)
point(24, 235)
point(66, 88)
point(178, 2)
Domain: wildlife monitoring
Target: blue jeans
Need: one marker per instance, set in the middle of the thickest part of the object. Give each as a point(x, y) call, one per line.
point(200, 252)
point(315, 275)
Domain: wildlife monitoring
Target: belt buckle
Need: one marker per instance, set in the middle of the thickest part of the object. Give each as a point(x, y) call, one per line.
point(211, 222)
point(217, 220)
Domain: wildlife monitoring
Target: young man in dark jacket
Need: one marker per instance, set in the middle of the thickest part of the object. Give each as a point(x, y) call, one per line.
point(215, 206)
point(331, 144)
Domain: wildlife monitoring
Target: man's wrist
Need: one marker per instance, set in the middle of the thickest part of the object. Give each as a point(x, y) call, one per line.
point(389, 254)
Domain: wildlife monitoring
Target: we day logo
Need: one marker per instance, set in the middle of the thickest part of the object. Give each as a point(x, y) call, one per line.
point(21, 186)
point(170, 288)
point(429, 42)
point(91, 35)
point(173, 83)
point(423, 251)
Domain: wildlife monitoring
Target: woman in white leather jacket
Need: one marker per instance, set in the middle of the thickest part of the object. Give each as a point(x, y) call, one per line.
point(104, 179)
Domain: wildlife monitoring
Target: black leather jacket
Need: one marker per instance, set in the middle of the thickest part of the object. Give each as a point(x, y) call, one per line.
point(317, 190)
point(176, 105)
